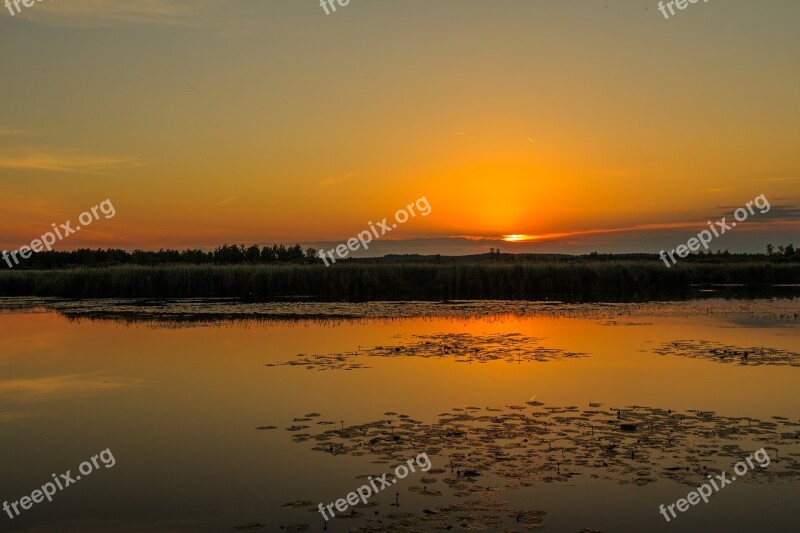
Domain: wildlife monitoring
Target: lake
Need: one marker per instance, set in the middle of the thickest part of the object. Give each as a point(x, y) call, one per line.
point(222, 415)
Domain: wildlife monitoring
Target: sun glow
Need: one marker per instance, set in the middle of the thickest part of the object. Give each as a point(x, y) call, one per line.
point(519, 238)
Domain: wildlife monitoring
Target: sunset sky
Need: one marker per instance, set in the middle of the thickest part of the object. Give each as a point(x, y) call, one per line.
point(587, 125)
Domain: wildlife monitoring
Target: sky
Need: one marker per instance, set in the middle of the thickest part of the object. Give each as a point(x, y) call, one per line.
point(572, 125)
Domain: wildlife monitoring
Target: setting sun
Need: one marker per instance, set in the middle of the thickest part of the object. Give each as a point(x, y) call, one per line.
point(519, 238)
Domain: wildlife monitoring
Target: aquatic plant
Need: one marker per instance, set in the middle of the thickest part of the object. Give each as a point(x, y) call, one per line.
point(612, 280)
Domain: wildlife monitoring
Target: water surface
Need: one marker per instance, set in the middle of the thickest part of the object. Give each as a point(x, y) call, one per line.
point(177, 395)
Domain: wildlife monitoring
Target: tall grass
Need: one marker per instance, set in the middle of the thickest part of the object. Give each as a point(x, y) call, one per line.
point(576, 280)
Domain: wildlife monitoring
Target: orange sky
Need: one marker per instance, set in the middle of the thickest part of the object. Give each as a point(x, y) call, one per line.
point(601, 126)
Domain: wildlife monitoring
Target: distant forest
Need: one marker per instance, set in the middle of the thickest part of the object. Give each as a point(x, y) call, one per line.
point(223, 255)
point(280, 254)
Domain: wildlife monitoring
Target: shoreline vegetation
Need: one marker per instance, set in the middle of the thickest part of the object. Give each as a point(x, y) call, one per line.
point(778, 311)
point(278, 273)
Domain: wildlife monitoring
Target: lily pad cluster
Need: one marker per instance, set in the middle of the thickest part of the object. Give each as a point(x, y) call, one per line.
point(224, 311)
point(505, 448)
point(725, 353)
point(461, 347)
point(480, 453)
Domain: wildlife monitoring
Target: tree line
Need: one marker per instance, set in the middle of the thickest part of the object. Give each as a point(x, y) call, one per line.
point(222, 255)
point(231, 254)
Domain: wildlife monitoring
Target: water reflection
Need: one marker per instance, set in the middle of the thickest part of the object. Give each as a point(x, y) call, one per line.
point(180, 407)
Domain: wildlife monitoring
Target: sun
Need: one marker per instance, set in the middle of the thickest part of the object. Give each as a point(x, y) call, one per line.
point(517, 237)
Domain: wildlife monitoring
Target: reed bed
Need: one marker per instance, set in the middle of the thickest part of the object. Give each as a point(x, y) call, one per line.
point(571, 281)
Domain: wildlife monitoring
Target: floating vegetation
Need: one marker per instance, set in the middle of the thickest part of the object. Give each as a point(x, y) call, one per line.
point(188, 312)
point(299, 504)
point(625, 323)
point(483, 452)
point(343, 361)
point(477, 514)
point(462, 347)
point(251, 526)
point(293, 528)
point(516, 446)
point(724, 353)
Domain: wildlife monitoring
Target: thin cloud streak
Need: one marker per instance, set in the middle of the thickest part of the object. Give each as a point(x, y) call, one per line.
point(64, 162)
point(785, 213)
point(12, 132)
point(563, 234)
point(335, 180)
point(106, 13)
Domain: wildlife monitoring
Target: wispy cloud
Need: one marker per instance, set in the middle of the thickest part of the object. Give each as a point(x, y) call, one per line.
point(335, 180)
point(521, 237)
point(776, 212)
point(11, 132)
point(62, 161)
point(100, 13)
point(786, 214)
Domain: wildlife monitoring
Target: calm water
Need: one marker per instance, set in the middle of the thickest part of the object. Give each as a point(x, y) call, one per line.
point(178, 404)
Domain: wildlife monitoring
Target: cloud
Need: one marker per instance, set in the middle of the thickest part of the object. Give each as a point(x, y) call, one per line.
point(11, 132)
point(559, 236)
point(62, 161)
point(780, 212)
point(776, 212)
point(335, 180)
point(102, 13)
